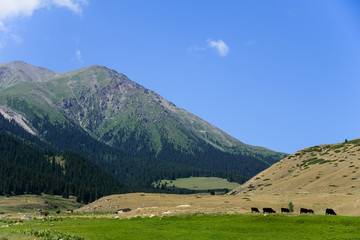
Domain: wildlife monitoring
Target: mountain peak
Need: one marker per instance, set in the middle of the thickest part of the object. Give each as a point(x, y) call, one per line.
point(19, 71)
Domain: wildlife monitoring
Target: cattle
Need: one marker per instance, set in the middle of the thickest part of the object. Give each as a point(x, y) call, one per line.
point(330, 211)
point(305, 210)
point(254, 209)
point(285, 210)
point(268, 210)
point(123, 210)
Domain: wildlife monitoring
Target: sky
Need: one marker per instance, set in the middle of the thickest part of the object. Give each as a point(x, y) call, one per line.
point(283, 74)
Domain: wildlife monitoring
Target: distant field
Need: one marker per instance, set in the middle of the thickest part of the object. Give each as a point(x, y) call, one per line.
point(200, 183)
point(188, 227)
point(30, 203)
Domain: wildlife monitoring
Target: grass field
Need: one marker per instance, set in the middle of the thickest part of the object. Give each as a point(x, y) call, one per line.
point(200, 183)
point(188, 227)
point(30, 203)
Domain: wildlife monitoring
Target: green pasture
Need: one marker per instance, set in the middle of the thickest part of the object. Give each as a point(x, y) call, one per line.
point(200, 183)
point(188, 227)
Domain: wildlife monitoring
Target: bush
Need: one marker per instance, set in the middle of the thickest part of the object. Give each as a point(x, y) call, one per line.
point(291, 207)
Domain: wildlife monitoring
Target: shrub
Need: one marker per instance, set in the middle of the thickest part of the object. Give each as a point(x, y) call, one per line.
point(291, 207)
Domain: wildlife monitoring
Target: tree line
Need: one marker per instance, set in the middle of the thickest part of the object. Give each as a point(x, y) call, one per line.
point(27, 170)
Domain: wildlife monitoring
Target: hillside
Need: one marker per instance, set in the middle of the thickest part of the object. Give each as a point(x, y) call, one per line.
point(132, 132)
point(26, 169)
point(329, 169)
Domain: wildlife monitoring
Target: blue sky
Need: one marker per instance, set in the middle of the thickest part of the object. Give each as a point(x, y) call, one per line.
point(283, 74)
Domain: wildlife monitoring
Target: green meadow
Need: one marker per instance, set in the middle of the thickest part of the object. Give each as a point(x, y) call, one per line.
point(187, 227)
point(200, 183)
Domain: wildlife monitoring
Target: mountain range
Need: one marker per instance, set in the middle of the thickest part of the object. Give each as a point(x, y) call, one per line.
point(131, 132)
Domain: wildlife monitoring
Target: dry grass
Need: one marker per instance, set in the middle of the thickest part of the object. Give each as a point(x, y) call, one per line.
point(324, 169)
point(320, 177)
point(150, 204)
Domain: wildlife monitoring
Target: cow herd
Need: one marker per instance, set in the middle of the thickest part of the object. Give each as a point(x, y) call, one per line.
point(328, 211)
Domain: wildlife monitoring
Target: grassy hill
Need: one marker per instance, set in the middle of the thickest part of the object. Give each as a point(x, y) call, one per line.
point(29, 204)
point(329, 168)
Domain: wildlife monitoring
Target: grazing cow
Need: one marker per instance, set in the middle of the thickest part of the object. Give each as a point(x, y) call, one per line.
point(330, 211)
point(285, 210)
point(254, 209)
point(123, 210)
point(305, 210)
point(268, 210)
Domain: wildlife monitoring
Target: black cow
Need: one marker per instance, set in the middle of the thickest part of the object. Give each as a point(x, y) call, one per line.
point(268, 210)
point(305, 210)
point(124, 210)
point(254, 209)
point(330, 211)
point(285, 210)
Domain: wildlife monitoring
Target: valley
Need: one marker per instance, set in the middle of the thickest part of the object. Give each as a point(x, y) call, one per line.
point(94, 142)
point(195, 216)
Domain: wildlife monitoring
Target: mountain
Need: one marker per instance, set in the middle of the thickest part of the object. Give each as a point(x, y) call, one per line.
point(26, 169)
point(329, 168)
point(130, 131)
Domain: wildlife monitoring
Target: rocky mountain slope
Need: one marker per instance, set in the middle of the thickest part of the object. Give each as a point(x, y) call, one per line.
point(114, 113)
point(329, 168)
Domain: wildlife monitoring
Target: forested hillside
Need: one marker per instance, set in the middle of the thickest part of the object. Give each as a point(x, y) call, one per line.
point(26, 169)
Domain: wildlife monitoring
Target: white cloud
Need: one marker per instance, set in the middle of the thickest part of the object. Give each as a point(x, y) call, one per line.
point(194, 49)
point(2, 27)
point(73, 5)
point(78, 56)
point(219, 46)
point(13, 8)
point(10, 9)
point(16, 38)
point(249, 43)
